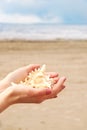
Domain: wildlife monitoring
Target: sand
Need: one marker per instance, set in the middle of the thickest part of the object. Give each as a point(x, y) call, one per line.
point(69, 110)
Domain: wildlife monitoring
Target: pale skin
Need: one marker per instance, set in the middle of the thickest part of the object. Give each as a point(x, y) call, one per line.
point(10, 95)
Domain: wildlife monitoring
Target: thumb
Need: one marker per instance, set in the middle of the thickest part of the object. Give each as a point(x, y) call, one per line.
point(42, 91)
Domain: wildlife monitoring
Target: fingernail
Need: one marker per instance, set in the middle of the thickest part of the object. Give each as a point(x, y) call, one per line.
point(55, 96)
point(48, 91)
point(64, 79)
point(63, 86)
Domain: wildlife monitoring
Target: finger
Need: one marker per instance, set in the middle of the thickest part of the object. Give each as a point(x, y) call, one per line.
point(31, 92)
point(37, 91)
point(32, 67)
point(52, 95)
point(52, 74)
point(55, 80)
point(42, 91)
point(59, 86)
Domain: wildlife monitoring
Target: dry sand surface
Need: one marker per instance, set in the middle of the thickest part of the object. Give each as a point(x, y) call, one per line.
point(69, 110)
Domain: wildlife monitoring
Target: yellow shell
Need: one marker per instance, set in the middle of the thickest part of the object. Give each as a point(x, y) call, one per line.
point(38, 79)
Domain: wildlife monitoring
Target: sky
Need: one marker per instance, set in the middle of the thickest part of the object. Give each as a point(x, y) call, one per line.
point(44, 11)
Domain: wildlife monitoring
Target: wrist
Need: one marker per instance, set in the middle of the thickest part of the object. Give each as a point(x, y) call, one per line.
point(5, 99)
point(4, 83)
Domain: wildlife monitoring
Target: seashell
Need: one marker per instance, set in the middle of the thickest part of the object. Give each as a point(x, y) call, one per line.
point(38, 79)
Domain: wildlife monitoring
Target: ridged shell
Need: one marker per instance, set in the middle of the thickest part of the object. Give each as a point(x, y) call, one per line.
point(38, 79)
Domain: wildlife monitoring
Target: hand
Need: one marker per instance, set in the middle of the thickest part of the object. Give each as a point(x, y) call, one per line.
point(17, 76)
point(20, 94)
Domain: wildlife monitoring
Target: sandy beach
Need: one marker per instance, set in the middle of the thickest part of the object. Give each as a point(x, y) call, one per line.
point(69, 110)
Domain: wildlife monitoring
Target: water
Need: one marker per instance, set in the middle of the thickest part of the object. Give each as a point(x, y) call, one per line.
point(42, 32)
